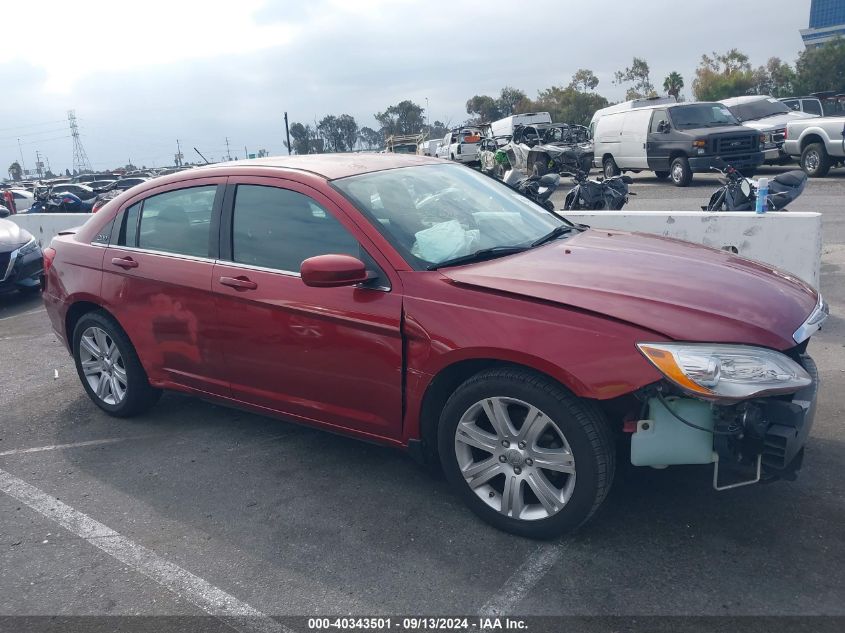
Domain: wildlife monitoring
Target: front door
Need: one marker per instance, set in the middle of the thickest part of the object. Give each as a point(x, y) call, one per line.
point(659, 144)
point(327, 355)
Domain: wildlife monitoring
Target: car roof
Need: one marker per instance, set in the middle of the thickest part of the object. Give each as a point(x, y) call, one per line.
point(744, 99)
point(332, 166)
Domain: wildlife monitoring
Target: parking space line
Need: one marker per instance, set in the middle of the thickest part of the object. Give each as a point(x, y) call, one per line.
point(15, 316)
point(213, 600)
point(523, 580)
point(56, 447)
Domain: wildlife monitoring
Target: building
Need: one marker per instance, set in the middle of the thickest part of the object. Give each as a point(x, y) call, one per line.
point(827, 21)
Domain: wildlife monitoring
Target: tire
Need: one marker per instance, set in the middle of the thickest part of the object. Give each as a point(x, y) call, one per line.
point(569, 433)
point(815, 160)
point(610, 168)
point(101, 332)
point(680, 172)
point(661, 175)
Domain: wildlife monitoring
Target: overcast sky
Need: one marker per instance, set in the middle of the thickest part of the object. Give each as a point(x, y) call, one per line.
point(142, 74)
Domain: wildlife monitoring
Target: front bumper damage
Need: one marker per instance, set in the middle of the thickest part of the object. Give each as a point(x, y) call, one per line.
point(755, 440)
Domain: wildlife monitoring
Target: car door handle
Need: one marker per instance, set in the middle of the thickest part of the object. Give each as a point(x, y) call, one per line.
point(124, 262)
point(239, 283)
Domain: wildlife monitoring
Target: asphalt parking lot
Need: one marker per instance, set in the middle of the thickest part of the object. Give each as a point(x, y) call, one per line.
point(193, 508)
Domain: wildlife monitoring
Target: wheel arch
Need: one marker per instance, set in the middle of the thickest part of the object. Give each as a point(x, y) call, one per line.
point(809, 139)
point(444, 383)
point(78, 310)
point(677, 153)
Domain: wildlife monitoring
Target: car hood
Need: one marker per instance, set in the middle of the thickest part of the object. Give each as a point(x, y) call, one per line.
point(678, 289)
point(12, 236)
point(778, 121)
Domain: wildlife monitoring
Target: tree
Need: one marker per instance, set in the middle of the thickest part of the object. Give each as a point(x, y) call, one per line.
point(723, 76)
point(673, 84)
point(484, 108)
point(638, 74)
point(349, 130)
point(438, 129)
point(304, 139)
point(568, 105)
point(370, 138)
point(509, 100)
point(15, 171)
point(821, 68)
point(584, 80)
point(329, 129)
point(406, 117)
point(776, 78)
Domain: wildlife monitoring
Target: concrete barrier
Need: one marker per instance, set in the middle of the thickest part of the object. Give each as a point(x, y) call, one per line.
point(45, 226)
point(790, 241)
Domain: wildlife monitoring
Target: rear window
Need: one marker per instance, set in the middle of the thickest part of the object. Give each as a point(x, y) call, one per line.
point(812, 106)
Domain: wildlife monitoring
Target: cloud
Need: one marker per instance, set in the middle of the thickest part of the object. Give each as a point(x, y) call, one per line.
point(142, 75)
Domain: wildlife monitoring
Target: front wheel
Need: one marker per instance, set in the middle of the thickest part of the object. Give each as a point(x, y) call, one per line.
point(526, 455)
point(680, 172)
point(109, 368)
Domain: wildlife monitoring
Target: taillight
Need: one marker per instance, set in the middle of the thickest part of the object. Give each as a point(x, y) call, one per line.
point(49, 256)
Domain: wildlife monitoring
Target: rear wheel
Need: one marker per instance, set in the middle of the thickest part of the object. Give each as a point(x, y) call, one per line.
point(610, 168)
point(109, 368)
point(815, 161)
point(680, 172)
point(527, 456)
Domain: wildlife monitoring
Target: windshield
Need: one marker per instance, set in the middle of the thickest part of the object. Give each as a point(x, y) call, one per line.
point(758, 109)
point(435, 213)
point(567, 134)
point(701, 115)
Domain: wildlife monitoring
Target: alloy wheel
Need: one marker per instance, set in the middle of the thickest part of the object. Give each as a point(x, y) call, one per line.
point(678, 172)
point(515, 458)
point(102, 365)
point(812, 160)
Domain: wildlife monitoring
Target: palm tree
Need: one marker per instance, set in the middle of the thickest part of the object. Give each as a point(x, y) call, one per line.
point(673, 84)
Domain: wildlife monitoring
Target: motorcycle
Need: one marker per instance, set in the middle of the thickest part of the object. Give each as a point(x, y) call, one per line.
point(600, 194)
point(739, 193)
point(65, 202)
point(538, 189)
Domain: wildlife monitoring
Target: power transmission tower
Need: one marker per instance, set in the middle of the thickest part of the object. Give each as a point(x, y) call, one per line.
point(228, 155)
point(80, 158)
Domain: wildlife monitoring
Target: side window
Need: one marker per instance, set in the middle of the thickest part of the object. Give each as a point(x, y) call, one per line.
point(178, 221)
point(792, 104)
point(128, 234)
point(811, 106)
point(279, 229)
point(656, 118)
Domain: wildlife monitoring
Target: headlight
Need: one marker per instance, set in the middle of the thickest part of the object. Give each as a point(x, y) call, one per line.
point(28, 248)
point(813, 322)
point(730, 372)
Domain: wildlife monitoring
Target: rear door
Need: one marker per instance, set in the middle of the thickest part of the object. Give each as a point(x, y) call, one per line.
point(633, 141)
point(327, 355)
point(157, 282)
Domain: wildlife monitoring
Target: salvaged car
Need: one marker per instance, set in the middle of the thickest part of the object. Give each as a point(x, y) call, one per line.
point(416, 303)
point(550, 147)
point(491, 157)
point(20, 259)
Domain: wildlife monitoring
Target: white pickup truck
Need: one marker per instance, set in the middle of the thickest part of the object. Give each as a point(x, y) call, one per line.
point(818, 143)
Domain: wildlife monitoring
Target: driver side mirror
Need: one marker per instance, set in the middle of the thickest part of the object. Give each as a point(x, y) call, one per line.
point(333, 271)
point(663, 127)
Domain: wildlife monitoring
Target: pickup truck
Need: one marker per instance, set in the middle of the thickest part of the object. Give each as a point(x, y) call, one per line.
point(819, 144)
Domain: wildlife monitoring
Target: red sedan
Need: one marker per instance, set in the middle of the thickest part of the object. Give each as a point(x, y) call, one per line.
point(423, 305)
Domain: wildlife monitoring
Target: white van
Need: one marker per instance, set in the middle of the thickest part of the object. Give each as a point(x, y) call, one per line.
point(505, 127)
point(675, 141)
